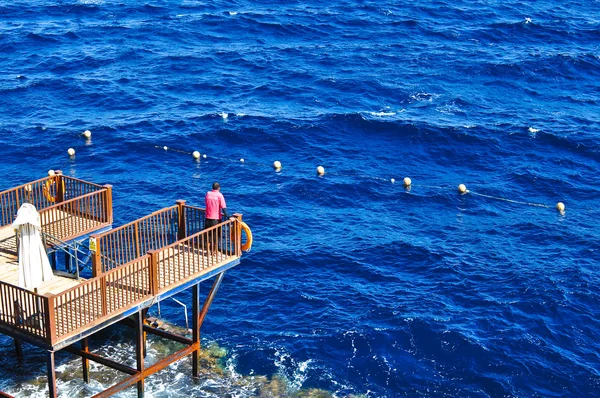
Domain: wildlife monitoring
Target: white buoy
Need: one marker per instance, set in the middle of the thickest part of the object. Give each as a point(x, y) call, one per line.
point(407, 182)
point(242, 160)
point(277, 165)
point(320, 170)
point(393, 180)
point(560, 206)
point(165, 148)
point(196, 155)
point(87, 134)
point(51, 173)
point(71, 152)
point(204, 156)
point(462, 188)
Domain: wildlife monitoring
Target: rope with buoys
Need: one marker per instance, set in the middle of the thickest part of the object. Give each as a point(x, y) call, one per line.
point(320, 171)
point(407, 182)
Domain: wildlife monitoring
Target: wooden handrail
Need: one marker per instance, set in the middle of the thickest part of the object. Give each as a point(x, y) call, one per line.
point(24, 185)
point(154, 231)
point(203, 250)
point(44, 179)
point(83, 182)
point(195, 208)
point(57, 205)
point(43, 193)
point(24, 310)
point(153, 214)
point(91, 211)
point(102, 297)
point(197, 234)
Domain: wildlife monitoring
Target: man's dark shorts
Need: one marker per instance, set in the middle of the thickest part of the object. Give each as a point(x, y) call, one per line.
point(210, 223)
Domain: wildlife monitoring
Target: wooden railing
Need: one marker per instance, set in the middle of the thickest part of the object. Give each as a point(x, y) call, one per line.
point(24, 310)
point(192, 255)
point(97, 299)
point(118, 289)
point(159, 229)
point(43, 193)
point(130, 241)
point(75, 187)
point(194, 220)
point(77, 216)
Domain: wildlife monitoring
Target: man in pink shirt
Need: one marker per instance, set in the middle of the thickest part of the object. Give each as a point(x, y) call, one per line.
point(214, 202)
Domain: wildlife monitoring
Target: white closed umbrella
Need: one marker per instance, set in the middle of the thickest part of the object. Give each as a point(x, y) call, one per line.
point(34, 267)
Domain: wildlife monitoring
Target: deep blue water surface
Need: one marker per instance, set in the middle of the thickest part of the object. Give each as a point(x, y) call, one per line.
point(354, 285)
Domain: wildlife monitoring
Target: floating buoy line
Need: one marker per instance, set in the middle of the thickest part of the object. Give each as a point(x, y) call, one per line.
point(321, 172)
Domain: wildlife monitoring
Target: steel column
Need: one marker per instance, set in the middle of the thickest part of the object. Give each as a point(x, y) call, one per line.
point(18, 348)
point(209, 299)
point(139, 350)
point(196, 329)
point(53, 392)
point(84, 361)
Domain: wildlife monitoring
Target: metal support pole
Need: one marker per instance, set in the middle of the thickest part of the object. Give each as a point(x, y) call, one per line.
point(18, 349)
point(209, 299)
point(76, 259)
point(84, 361)
point(52, 391)
point(196, 329)
point(139, 350)
point(144, 317)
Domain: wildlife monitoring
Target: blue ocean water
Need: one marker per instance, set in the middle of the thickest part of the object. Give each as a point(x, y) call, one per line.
point(354, 285)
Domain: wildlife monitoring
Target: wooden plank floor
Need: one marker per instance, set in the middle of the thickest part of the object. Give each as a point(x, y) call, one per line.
point(176, 265)
point(63, 225)
point(9, 266)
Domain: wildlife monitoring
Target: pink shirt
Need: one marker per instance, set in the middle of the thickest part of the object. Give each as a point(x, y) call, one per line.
point(215, 202)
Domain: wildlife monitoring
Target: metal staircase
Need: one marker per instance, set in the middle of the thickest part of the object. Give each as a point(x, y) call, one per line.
point(77, 254)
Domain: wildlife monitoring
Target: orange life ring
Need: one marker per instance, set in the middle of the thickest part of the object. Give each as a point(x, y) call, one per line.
point(51, 182)
point(248, 245)
point(245, 228)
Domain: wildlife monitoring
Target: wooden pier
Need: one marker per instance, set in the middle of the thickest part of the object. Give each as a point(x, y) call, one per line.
point(133, 267)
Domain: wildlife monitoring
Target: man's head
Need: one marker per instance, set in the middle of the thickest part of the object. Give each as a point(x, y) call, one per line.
point(216, 186)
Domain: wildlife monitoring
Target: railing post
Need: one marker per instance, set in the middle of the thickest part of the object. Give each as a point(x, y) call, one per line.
point(238, 234)
point(96, 259)
point(153, 272)
point(108, 204)
point(58, 180)
point(181, 230)
point(137, 239)
point(50, 319)
point(103, 293)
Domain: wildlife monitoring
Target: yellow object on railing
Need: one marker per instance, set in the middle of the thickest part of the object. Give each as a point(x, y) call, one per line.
point(51, 182)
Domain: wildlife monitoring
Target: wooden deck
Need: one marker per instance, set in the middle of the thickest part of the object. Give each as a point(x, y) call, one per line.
point(84, 307)
point(133, 267)
point(69, 208)
point(9, 266)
